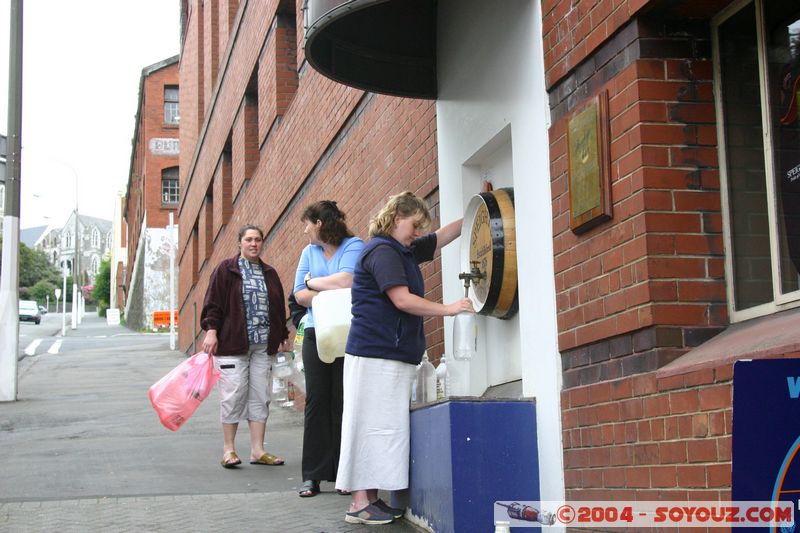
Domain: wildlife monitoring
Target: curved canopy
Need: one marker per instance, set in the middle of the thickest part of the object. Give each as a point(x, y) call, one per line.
point(383, 46)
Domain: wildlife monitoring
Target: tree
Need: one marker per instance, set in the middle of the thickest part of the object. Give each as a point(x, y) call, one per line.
point(34, 267)
point(41, 291)
point(102, 287)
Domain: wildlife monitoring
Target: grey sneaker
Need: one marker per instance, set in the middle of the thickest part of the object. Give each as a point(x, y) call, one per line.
point(370, 514)
point(394, 511)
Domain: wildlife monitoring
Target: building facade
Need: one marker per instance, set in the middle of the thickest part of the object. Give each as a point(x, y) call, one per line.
point(698, 265)
point(652, 149)
point(93, 242)
point(263, 135)
point(152, 194)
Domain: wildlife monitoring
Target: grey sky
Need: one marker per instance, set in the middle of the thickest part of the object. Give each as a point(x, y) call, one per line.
point(82, 63)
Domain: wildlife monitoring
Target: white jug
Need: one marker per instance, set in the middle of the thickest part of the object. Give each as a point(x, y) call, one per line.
point(332, 318)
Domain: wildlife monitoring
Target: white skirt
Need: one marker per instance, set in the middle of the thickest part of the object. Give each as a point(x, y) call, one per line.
point(375, 424)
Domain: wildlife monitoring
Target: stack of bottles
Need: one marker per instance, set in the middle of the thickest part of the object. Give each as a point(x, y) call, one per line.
point(281, 372)
point(424, 387)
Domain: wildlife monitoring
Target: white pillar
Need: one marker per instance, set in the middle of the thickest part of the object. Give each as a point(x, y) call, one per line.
point(74, 324)
point(9, 311)
point(171, 231)
point(64, 301)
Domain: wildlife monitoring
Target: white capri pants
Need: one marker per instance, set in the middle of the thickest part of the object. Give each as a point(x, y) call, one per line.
point(244, 385)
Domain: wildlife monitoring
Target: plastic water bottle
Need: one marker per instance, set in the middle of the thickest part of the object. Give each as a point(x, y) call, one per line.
point(299, 336)
point(426, 381)
point(465, 336)
point(441, 379)
point(279, 392)
point(283, 365)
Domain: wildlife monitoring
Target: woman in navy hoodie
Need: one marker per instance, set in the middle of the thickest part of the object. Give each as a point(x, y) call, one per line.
point(385, 344)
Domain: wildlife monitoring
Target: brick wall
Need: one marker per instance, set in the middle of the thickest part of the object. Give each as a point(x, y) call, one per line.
point(313, 139)
point(649, 438)
point(640, 290)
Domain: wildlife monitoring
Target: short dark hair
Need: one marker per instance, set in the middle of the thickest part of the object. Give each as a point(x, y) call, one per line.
point(334, 229)
point(248, 227)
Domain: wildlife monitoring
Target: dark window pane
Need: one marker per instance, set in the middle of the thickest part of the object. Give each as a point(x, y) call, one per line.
point(782, 21)
point(741, 103)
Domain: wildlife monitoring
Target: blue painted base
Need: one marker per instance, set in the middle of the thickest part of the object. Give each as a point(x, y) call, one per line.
point(465, 455)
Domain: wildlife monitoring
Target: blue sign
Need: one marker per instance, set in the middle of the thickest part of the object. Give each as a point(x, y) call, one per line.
point(766, 430)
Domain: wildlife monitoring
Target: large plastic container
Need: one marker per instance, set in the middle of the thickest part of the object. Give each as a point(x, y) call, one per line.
point(332, 318)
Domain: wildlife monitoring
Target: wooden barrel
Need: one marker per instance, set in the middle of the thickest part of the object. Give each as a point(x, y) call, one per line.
point(489, 240)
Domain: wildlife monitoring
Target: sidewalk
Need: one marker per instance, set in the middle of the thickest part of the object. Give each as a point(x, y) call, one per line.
point(84, 451)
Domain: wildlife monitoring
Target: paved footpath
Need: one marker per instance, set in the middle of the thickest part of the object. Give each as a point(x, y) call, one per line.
point(83, 450)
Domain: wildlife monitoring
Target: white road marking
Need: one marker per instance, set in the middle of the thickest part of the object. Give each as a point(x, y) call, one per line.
point(31, 349)
point(55, 347)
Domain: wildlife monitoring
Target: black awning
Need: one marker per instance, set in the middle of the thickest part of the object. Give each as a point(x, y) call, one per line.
point(382, 46)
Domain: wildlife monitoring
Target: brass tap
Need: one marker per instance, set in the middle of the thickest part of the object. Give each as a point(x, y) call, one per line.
point(473, 274)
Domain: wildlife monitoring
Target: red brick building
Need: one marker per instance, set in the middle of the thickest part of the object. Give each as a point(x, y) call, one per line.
point(655, 305)
point(691, 265)
point(152, 193)
point(263, 135)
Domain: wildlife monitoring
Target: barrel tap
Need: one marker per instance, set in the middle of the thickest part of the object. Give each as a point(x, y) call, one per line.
point(473, 274)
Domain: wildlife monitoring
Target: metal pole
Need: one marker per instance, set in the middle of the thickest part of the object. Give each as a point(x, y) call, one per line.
point(171, 230)
point(74, 323)
point(64, 302)
point(9, 278)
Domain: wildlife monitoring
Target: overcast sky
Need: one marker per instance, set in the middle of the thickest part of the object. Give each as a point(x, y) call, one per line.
point(82, 63)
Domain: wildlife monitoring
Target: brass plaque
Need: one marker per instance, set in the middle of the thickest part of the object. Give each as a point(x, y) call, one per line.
point(584, 180)
point(480, 250)
point(588, 155)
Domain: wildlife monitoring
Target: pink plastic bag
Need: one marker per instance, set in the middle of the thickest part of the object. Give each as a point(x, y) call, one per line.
point(176, 396)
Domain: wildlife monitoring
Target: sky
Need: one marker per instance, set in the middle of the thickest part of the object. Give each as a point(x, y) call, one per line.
point(82, 62)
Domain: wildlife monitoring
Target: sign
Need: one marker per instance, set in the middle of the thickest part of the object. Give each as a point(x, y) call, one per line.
point(112, 317)
point(766, 430)
point(164, 146)
point(588, 155)
point(58, 293)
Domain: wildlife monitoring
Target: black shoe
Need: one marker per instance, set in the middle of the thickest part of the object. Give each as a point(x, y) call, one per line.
point(394, 511)
point(310, 488)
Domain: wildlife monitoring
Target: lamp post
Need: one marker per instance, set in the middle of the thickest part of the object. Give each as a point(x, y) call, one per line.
point(75, 267)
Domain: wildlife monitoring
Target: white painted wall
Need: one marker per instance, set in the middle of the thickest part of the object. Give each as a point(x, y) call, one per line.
point(492, 120)
point(156, 271)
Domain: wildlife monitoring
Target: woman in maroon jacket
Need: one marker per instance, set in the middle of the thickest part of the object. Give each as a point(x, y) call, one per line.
point(244, 316)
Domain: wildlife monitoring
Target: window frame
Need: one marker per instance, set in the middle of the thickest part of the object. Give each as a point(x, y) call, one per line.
point(166, 176)
point(177, 110)
point(779, 301)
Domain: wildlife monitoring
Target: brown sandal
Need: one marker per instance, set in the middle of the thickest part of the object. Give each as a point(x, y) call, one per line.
point(267, 459)
point(230, 460)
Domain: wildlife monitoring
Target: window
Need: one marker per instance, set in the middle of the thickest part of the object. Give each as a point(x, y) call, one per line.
point(95, 238)
point(2, 197)
point(95, 265)
point(758, 92)
point(171, 108)
point(67, 239)
point(170, 193)
point(108, 240)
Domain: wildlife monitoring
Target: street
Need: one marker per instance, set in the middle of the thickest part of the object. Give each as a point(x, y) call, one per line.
point(84, 450)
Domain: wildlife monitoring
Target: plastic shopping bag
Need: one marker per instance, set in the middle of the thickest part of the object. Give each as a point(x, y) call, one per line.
point(332, 323)
point(176, 396)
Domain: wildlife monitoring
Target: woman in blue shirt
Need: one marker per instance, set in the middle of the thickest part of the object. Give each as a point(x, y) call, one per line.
point(326, 263)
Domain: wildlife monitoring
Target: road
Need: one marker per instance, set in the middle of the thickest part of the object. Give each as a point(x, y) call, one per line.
point(45, 337)
point(84, 450)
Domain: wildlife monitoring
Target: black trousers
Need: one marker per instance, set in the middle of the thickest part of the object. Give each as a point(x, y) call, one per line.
point(322, 435)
